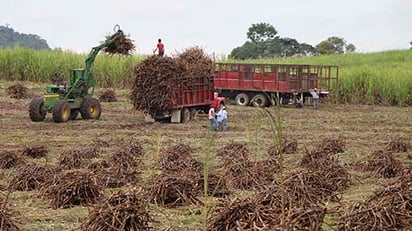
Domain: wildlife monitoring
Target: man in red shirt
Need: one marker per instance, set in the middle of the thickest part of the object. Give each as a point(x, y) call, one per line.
point(160, 48)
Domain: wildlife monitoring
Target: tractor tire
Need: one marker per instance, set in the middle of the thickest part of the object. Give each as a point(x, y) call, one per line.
point(73, 114)
point(185, 116)
point(242, 99)
point(61, 111)
point(90, 109)
point(259, 100)
point(35, 109)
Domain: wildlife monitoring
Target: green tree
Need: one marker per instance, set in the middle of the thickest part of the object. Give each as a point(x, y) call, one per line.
point(11, 38)
point(265, 44)
point(332, 45)
point(350, 48)
point(248, 50)
point(261, 32)
point(325, 48)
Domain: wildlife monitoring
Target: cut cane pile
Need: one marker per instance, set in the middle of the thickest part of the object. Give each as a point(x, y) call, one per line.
point(153, 77)
point(17, 90)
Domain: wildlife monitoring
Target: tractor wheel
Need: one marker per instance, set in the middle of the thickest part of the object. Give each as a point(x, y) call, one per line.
point(185, 116)
point(35, 109)
point(74, 113)
point(90, 108)
point(61, 111)
point(242, 99)
point(259, 100)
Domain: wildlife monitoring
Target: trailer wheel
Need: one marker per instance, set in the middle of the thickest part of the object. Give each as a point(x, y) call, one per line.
point(61, 111)
point(35, 109)
point(242, 99)
point(185, 116)
point(90, 109)
point(259, 100)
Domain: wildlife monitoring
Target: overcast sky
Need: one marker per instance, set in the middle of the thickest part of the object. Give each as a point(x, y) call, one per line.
point(215, 25)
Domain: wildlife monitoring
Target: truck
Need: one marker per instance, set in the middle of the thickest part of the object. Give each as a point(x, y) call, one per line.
point(262, 85)
point(188, 97)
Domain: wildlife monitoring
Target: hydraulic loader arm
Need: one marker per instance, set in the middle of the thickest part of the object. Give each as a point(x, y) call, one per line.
point(95, 50)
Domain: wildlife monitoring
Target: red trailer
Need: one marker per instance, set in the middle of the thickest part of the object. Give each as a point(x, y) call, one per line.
point(263, 84)
point(190, 95)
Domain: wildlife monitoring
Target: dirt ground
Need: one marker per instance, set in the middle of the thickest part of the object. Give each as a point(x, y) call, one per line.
point(364, 128)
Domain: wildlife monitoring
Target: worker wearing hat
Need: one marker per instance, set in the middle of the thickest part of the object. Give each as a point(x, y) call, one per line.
point(222, 118)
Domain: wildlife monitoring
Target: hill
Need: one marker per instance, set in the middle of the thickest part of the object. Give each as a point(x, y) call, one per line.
point(11, 38)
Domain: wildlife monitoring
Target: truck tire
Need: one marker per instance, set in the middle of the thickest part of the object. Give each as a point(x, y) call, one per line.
point(185, 116)
point(90, 109)
point(242, 99)
point(35, 109)
point(61, 111)
point(74, 113)
point(259, 100)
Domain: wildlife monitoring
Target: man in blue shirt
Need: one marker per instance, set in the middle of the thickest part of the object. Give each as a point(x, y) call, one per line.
point(222, 118)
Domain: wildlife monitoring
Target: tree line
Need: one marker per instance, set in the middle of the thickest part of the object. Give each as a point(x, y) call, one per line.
point(264, 42)
point(11, 38)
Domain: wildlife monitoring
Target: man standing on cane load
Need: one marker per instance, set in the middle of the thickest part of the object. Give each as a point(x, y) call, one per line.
point(315, 96)
point(160, 48)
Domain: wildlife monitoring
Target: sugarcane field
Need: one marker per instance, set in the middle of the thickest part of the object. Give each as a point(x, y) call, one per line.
point(292, 137)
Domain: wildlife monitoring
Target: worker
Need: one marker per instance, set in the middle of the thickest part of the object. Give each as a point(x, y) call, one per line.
point(299, 103)
point(222, 118)
point(315, 97)
point(160, 48)
point(212, 118)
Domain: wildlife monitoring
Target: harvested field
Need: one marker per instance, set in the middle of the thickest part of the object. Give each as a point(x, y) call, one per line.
point(120, 152)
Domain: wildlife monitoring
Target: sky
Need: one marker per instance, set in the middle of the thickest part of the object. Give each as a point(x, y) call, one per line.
point(217, 26)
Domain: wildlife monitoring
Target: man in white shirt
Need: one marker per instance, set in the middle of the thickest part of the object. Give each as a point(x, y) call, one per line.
point(212, 118)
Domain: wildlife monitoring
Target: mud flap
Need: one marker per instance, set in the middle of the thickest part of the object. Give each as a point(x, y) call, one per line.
point(176, 116)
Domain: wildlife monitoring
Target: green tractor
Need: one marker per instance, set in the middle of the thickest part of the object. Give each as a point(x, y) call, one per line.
point(66, 102)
